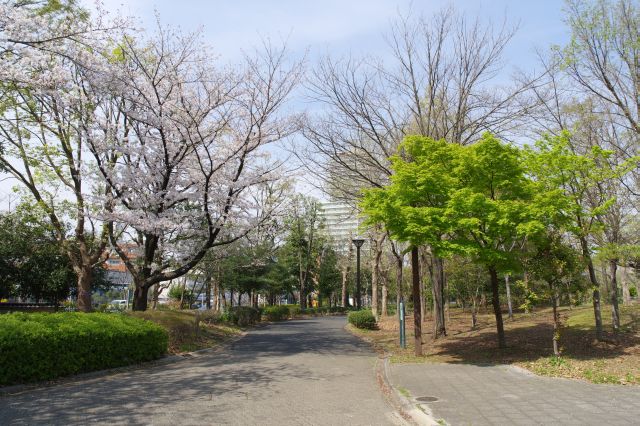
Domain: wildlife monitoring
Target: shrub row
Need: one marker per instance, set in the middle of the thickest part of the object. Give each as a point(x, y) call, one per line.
point(242, 315)
point(43, 346)
point(362, 319)
point(282, 312)
point(324, 310)
point(276, 313)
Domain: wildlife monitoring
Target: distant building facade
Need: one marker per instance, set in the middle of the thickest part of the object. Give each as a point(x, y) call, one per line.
point(340, 223)
point(117, 273)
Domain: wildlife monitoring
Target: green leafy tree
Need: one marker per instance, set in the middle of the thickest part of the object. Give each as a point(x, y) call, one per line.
point(496, 207)
point(32, 265)
point(327, 275)
point(412, 207)
point(476, 201)
point(555, 165)
point(303, 243)
point(559, 266)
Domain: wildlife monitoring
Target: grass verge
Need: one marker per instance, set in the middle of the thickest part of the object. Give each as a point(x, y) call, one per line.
point(184, 334)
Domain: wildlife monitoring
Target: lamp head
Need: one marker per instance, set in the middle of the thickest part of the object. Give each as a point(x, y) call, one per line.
point(358, 241)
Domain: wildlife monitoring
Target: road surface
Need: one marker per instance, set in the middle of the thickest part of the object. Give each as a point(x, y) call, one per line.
point(303, 372)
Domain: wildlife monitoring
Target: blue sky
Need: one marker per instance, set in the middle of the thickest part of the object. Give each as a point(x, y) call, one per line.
point(339, 26)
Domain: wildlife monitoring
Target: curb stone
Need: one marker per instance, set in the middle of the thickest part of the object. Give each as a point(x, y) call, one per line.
point(418, 414)
point(407, 409)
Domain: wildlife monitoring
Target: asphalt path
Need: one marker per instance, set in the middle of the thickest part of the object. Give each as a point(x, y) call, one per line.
point(302, 372)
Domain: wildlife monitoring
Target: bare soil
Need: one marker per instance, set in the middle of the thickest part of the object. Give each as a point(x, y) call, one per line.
point(529, 341)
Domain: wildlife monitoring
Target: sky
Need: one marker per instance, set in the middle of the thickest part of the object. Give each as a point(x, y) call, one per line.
point(337, 27)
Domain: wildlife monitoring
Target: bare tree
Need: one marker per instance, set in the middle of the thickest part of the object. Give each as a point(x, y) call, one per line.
point(441, 84)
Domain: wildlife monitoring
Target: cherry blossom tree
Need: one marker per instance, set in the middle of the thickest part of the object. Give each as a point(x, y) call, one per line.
point(48, 53)
point(179, 144)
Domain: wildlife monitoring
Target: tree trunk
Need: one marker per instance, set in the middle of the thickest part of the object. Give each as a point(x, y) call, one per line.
point(438, 297)
point(495, 300)
point(376, 276)
point(596, 287)
point(615, 309)
point(626, 294)
point(556, 322)
point(506, 281)
point(474, 310)
point(155, 295)
point(216, 296)
point(345, 277)
point(184, 287)
point(208, 291)
point(346, 269)
point(140, 296)
point(417, 317)
point(85, 279)
point(385, 297)
point(399, 265)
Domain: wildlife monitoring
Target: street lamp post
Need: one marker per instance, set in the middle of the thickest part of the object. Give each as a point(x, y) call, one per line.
point(358, 241)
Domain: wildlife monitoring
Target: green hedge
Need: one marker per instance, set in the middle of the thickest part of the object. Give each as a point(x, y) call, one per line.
point(362, 319)
point(242, 315)
point(294, 310)
point(276, 313)
point(43, 346)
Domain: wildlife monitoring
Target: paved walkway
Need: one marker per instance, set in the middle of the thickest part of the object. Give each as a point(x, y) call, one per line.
point(502, 395)
point(307, 372)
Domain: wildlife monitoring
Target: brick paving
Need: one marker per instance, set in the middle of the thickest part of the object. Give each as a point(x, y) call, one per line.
point(503, 395)
point(306, 372)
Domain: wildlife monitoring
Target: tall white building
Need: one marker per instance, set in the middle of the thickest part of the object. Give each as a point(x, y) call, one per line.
point(340, 223)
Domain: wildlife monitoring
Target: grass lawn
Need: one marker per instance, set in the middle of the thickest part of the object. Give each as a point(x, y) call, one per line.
point(617, 360)
point(183, 334)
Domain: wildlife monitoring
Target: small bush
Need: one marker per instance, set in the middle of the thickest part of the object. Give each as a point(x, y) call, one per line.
point(242, 315)
point(633, 292)
point(210, 316)
point(276, 313)
point(362, 319)
point(43, 346)
point(294, 310)
point(337, 309)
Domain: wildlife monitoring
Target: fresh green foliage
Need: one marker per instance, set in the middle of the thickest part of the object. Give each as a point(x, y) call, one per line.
point(41, 346)
point(479, 197)
point(362, 319)
point(569, 176)
point(476, 201)
point(276, 313)
point(294, 310)
point(556, 264)
point(413, 207)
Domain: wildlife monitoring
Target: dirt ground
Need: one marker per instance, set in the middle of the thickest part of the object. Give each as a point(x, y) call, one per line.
point(529, 341)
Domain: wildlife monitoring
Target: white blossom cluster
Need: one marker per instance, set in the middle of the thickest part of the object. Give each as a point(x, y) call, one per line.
point(166, 142)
